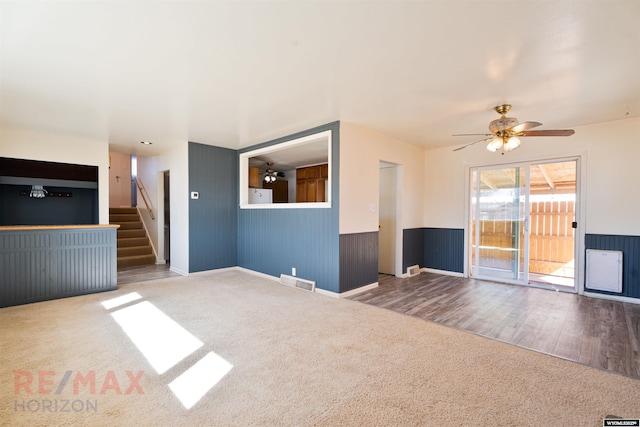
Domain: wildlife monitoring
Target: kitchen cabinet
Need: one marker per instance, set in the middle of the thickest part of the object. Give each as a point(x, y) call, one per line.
point(311, 184)
point(254, 178)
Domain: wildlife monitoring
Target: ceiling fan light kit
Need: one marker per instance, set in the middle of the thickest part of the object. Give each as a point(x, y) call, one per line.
point(270, 175)
point(495, 144)
point(507, 131)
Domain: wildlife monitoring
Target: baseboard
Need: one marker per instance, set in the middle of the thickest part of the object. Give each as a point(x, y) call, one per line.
point(256, 273)
point(180, 272)
point(443, 272)
point(347, 293)
point(317, 290)
point(160, 261)
point(612, 297)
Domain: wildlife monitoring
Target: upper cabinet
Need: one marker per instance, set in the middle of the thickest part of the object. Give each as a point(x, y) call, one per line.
point(254, 178)
point(311, 183)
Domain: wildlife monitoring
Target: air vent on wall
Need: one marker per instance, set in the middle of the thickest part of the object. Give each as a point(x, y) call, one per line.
point(413, 270)
point(296, 282)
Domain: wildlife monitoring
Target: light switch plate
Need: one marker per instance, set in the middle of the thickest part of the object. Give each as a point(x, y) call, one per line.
point(195, 195)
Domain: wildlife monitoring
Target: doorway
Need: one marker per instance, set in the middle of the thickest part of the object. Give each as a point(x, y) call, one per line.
point(167, 217)
point(119, 180)
point(388, 222)
point(523, 222)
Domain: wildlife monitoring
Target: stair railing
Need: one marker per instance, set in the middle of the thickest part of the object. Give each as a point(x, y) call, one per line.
point(145, 197)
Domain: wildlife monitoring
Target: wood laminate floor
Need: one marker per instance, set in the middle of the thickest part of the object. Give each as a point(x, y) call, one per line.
point(600, 333)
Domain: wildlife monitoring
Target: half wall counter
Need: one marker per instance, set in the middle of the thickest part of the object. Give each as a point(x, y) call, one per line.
point(40, 263)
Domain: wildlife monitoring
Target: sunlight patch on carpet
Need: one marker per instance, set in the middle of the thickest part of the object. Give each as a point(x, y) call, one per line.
point(196, 381)
point(121, 300)
point(162, 341)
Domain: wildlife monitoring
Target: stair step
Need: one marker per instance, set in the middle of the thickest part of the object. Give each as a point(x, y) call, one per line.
point(120, 218)
point(129, 261)
point(124, 234)
point(128, 225)
point(123, 211)
point(134, 250)
point(132, 241)
point(133, 245)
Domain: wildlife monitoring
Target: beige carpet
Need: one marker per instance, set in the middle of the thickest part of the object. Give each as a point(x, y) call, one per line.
point(297, 359)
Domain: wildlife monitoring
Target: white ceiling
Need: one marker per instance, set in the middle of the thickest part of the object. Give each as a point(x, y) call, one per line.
point(234, 74)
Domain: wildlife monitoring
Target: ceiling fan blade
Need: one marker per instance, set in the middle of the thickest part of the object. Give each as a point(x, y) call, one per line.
point(472, 134)
point(559, 132)
point(473, 143)
point(524, 126)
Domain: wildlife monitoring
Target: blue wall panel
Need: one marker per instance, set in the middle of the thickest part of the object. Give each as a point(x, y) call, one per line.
point(358, 260)
point(272, 241)
point(444, 249)
point(630, 247)
point(44, 264)
point(213, 172)
point(412, 247)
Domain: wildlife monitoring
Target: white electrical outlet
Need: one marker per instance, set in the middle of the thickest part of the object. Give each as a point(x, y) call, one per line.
point(293, 271)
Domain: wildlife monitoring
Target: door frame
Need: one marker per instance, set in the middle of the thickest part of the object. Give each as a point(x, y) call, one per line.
point(160, 218)
point(397, 250)
point(580, 205)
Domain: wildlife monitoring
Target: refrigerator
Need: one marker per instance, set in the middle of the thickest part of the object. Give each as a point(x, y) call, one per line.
point(260, 195)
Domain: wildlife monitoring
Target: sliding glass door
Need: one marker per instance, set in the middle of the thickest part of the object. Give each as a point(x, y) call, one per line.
point(522, 223)
point(499, 238)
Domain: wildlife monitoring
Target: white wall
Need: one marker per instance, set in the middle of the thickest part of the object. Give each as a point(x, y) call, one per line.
point(611, 156)
point(54, 147)
point(361, 151)
point(176, 161)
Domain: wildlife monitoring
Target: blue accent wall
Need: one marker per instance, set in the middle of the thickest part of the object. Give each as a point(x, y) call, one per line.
point(412, 247)
point(630, 247)
point(437, 248)
point(45, 264)
point(272, 241)
point(213, 172)
point(80, 207)
point(358, 260)
point(444, 249)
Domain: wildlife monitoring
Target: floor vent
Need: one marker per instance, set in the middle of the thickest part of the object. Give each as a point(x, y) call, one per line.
point(413, 270)
point(296, 282)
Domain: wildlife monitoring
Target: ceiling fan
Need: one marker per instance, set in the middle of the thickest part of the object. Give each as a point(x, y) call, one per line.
point(270, 175)
point(507, 131)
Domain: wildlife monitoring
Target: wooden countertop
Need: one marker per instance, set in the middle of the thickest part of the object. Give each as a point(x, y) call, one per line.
point(55, 227)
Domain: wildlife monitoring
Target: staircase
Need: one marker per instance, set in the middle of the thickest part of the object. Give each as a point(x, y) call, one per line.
point(133, 245)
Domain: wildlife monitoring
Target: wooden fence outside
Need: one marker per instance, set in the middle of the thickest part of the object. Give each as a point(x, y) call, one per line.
point(551, 241)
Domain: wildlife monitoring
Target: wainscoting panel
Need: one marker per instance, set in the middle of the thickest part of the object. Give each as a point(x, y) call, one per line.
point(444, 249)
point(358, 260)
point(630, 247)
point(412, 247)
point(42, 264)
point(273, 241)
